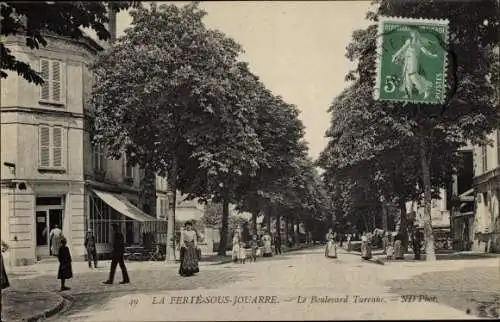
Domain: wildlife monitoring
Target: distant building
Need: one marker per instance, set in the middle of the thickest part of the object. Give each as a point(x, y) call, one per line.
point(486, 226)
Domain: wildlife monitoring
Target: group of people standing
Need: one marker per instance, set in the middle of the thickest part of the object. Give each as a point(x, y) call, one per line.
point(258, 247)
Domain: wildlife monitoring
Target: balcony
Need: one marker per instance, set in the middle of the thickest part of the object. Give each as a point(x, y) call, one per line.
point(489, 180)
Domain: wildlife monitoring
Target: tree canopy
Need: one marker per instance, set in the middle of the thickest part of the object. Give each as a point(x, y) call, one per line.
point(404, 150)
point(173, 96)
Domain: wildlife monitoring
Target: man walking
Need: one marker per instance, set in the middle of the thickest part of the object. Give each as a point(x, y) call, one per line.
point(90, 246)
point(117, 257)
point(277, 244)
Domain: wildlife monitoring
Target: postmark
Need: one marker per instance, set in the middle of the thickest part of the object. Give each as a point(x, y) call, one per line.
point(411, 60)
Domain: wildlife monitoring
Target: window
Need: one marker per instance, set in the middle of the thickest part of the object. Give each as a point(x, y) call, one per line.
point(51, 147)
point(52, 90)
point(128, 169)
point(98, 158)
point(484, 158)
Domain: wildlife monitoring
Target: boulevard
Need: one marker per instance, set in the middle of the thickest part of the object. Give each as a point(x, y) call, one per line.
point(300, 285)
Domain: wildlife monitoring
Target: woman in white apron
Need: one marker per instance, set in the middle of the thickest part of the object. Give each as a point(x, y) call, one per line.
point(331, 247)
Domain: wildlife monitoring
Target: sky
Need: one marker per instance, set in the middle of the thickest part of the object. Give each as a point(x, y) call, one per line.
point(297, 48)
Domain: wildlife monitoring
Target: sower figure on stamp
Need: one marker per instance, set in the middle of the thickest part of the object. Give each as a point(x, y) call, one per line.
point(189, 257)
point(90, 246)
point(409, 56)
point(117, 257)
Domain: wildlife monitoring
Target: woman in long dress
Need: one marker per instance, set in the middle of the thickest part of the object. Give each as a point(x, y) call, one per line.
point(189, 256)
point(331, 247)
point(267, 249)
point(409, 56)
point(366, 249)
point(5, 280)
point(398, 247)
point(236, 247)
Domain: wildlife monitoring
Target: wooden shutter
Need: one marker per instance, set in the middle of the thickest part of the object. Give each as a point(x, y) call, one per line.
point(44, 136)
point(57, 147)
point(45, 73)
point(56, 81)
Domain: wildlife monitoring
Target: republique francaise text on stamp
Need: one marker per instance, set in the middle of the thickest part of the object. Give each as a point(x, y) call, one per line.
point(411, 60)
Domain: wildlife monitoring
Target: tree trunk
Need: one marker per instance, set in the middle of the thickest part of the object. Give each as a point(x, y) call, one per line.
point(224, 227)
point(430, 254)
point(172, 193)
point(278, 226)
point(267, 217)
point(287, 228)
point(296, 231)
point(403, 224)
point(147, 194)
point(385, 225)
point(254, 222)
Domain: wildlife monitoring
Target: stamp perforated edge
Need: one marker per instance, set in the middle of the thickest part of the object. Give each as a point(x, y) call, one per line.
point(378, 58)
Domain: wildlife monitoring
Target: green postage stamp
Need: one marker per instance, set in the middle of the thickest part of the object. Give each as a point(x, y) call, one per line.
point(411, 60)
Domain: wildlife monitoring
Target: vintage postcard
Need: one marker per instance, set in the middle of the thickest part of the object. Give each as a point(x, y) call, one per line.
point(250, 160)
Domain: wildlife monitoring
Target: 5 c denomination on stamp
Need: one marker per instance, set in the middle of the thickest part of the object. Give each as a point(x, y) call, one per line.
point(411, 60)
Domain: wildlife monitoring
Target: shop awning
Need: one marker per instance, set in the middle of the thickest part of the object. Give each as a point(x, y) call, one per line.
point(123, 206)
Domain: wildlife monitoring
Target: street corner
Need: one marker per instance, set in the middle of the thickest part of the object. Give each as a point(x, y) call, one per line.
point(41, 305)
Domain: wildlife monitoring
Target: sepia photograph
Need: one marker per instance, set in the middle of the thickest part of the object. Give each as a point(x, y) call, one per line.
point(250, 160)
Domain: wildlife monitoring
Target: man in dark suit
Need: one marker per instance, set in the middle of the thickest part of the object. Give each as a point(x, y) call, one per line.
point(117, 257)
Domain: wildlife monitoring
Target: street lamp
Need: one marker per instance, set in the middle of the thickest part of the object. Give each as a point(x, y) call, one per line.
point(170, 251)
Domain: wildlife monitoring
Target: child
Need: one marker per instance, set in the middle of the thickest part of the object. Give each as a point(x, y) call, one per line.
point(242, 253)
point(254, 244)
point(390, 248)
point(65, 272)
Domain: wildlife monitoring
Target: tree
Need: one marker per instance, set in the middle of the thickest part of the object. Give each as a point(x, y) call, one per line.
point(171, 96)
point(37, 20)
point(470, 111)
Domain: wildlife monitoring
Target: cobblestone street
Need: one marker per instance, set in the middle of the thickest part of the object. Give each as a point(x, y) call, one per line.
point(453, 289)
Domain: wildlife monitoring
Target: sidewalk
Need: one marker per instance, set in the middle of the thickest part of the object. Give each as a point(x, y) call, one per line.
point(29, 306)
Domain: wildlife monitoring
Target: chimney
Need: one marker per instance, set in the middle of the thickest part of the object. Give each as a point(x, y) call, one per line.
point(112, 24)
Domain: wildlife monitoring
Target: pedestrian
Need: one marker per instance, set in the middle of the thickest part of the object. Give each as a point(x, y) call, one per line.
point(385, 242)
point(398, 247)
point(55, 237)
point(417, 244)
point(236, 247)
point(277, 244)
point(189, 256)
point(90, 246)
point(117, 257)
point(65, 271)
point(389, 251)
point(267, 249)
point(331, 247)
point(5, 280)
point(242, 254)
point(254, 245)
point(366, 249)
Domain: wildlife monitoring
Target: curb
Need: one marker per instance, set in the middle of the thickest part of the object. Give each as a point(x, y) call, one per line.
point(48, 312)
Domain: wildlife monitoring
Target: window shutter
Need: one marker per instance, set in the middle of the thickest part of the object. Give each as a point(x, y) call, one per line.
point(44, 136)
point(57, 147)
point(45, 73)
point(56, 81)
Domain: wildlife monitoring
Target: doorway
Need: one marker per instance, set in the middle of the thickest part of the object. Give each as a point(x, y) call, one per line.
point(48, 214)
